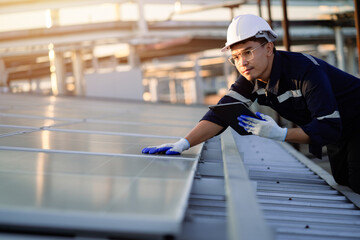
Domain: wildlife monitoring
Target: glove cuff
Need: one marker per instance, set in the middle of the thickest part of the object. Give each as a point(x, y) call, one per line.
point(184, 144)
point(283, 134)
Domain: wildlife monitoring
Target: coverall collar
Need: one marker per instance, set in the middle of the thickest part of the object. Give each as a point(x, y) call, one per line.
point(273, 85)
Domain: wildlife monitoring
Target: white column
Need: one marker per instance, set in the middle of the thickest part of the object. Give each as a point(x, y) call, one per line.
point(37, 84)
point(229, 72)
point(172, 90)
point(198, 82)
point(52, 18)
point(189, 91)
point(153, 84)
point(57, 71)
point(118, 8)
point(55, 18)
point(60, 72)
point(133, 58)
point(142, 25)
point(351, 59)
point(331, 58)
point(78, 72)
point(95, 62)
point(226, 68)
point(339, 39)
point(3, 76)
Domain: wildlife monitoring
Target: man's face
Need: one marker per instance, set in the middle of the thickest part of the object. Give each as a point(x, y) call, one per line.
point(252, 60)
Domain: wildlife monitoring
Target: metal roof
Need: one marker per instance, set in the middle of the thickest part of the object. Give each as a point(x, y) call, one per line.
point(295, 200)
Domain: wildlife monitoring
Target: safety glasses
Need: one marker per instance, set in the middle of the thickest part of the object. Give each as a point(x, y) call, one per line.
point(247, 55)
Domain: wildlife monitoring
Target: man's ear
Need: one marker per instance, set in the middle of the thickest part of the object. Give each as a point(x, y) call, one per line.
point(269, 48)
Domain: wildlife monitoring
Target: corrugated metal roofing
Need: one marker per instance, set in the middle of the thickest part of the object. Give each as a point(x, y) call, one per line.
point(295, 201)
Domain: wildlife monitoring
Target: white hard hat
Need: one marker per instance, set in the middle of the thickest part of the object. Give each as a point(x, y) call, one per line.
point(246, 26)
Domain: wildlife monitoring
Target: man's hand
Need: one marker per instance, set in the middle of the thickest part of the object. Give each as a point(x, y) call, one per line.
point(263, 127)
point(169, 148)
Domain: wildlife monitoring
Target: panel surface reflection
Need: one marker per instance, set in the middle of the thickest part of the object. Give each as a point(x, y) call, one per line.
point(166, 130)
point(70, 164)
point(106, 184)
point(96, 143)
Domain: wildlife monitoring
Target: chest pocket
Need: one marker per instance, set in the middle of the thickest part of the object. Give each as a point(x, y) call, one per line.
point(292, 99)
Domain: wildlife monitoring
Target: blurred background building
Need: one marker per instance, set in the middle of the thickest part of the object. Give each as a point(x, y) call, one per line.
point(153, 50)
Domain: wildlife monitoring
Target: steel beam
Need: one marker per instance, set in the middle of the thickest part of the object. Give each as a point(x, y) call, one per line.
point(285, 25)
point(340, 55)
point(357, 26)
point(269, 13)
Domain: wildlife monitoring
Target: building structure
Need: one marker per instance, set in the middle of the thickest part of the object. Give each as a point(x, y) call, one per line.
point(165, 53)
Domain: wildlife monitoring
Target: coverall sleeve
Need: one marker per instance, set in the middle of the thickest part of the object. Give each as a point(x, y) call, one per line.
point(326, 125)
point(242, 88)
point(210, 115)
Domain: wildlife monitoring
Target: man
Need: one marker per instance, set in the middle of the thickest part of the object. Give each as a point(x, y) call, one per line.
point(321, 99)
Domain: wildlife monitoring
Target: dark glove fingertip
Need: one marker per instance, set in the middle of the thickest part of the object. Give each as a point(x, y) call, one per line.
point(144, 150)
point(153, 150)
point(172, 153)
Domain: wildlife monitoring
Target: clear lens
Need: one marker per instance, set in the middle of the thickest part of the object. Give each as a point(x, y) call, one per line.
point(247, 55)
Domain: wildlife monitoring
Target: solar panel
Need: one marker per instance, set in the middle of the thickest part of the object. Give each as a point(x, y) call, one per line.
point(81, 188)
point(87, 143)
point(28, 122)
point(8, 130)
point(138, 128)
point(69, 173)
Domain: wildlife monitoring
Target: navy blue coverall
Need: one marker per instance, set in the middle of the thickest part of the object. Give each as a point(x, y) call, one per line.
point(321, 99)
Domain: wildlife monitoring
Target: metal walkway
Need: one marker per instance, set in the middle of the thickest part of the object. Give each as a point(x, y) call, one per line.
point(206, 217)
point(295, 201)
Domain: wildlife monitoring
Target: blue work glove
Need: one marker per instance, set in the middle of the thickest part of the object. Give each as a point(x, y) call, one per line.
point(169, 148)
point(263, 127)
